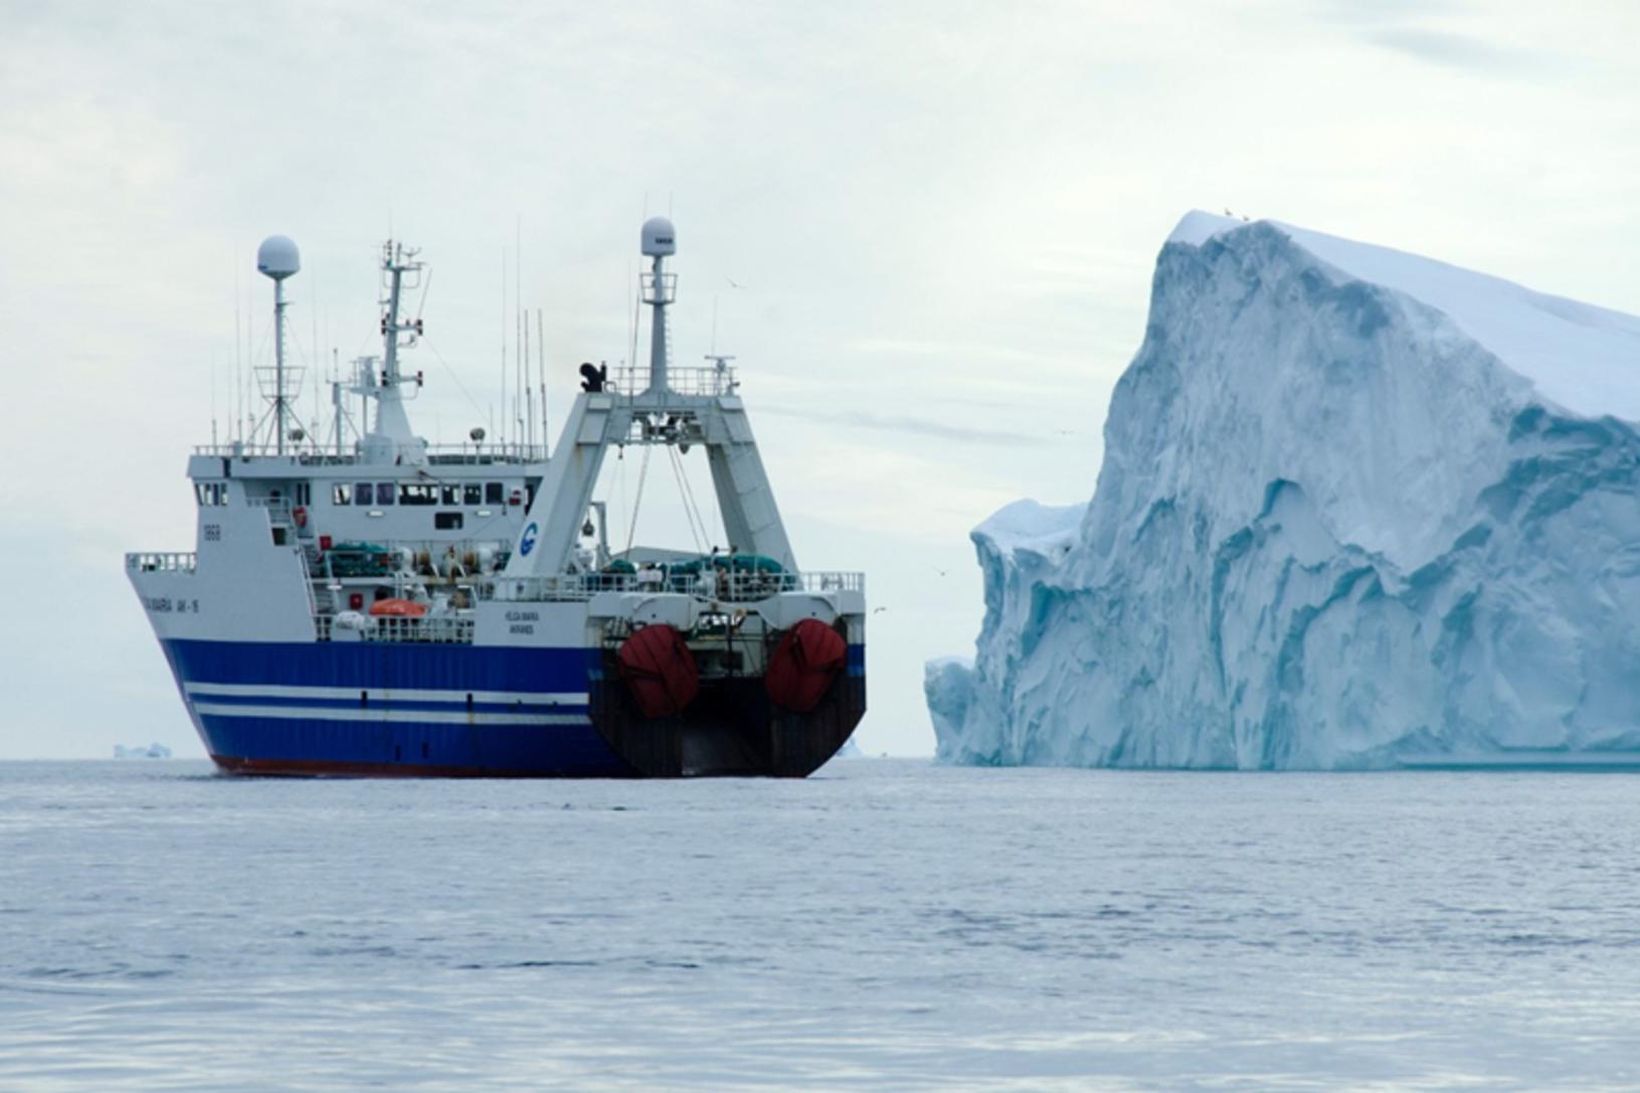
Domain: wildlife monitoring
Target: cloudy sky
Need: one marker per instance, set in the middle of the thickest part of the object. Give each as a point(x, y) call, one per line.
point(924, 229)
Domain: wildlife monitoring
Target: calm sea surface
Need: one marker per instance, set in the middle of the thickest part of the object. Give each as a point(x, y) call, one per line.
point(884, 924)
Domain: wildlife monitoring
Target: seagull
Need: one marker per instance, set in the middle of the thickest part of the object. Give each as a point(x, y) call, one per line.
point(941, 572)
point(879, 610)
point(734, 283)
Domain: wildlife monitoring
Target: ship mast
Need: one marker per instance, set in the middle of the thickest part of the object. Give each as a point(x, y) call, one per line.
point(704, 410)
point(659, 289)
point(390, 438)
point(278, 259)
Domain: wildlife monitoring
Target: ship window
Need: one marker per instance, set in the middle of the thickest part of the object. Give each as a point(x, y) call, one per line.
point(384, 493)
point(447, 521)
point(472, 494)
point(211, 494)
point(493, 494)
point(302, 493)
point(364, 493)
point(418, 493)
point(530, 494)
point(341, 494)
point(449, 495)
point(202, 493)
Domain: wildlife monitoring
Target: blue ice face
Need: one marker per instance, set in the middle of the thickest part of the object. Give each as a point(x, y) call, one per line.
point(1332, 530)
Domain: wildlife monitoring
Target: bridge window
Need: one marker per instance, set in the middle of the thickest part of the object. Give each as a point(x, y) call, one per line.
point(364, 493)
point(384, 493)
point(472, 494)
point(449, 495)
point(341, 494)
point(418, 493)
point(494, 493)
point(211, 494)
point(447, 521)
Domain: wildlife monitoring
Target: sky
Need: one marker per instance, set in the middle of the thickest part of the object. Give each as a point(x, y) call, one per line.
point(925, 231)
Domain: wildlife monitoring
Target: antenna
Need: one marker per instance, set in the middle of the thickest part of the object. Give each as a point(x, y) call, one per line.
point(278, 258)
point(313, 360)
point(518, 330)
point(501, 435)
point(541, 373)
point(529, 379)
point(238, 351)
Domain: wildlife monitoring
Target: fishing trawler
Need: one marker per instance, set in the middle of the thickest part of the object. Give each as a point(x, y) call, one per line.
point(377, 605)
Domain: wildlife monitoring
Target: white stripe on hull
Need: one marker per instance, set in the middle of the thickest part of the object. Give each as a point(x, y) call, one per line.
point(379, 714)
point(386, 694)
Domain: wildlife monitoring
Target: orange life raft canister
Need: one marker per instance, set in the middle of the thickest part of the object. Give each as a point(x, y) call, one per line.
point(394, 608)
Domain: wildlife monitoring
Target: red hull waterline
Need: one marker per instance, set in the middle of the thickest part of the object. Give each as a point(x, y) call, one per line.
point(329, 768)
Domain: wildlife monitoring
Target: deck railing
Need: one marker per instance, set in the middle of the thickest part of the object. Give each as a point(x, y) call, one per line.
point(279, 508)
point(680, 381)
point(446, 454)
point(440, 630)
point(728, 587)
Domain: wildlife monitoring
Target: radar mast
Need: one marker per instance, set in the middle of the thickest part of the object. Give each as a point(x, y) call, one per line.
point(390, 438)
point(278, 258)
point(659, 289)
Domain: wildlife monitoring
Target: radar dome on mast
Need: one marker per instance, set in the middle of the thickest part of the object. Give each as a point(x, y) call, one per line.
point(659, 241)
point(278, 257)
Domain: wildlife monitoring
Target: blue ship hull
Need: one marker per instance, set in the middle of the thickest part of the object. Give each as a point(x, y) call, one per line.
point(402, 709)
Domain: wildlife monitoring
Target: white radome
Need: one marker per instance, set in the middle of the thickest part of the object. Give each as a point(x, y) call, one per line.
point(278, 257)
point(659, 240)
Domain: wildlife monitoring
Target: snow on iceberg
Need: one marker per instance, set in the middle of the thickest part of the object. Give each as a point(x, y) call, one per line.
point(1357, 509)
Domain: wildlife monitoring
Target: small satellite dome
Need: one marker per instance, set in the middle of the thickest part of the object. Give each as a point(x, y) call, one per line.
point(278, 257)
point(658, 237)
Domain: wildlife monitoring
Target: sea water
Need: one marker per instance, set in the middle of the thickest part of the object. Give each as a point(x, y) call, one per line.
point(882, 924)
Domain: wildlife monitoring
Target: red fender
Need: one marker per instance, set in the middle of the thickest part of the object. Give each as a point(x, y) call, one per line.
point(658, 670)
point(808, 658)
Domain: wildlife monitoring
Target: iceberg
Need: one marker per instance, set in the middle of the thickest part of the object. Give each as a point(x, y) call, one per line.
point(1358, 509)
point(139, 751)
